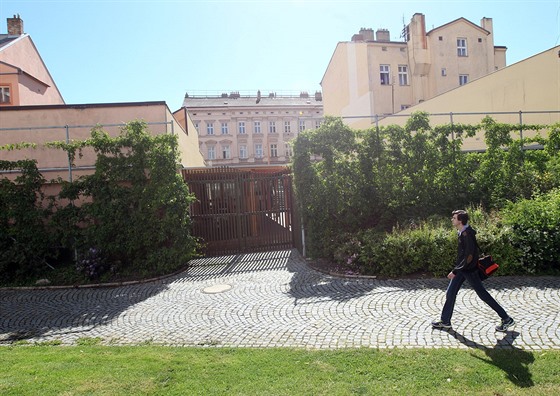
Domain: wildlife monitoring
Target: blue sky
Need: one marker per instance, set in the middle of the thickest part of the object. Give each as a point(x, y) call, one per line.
point(101, 51)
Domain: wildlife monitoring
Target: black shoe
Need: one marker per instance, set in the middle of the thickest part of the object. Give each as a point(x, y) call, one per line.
point(506, 324)
point(440, 325)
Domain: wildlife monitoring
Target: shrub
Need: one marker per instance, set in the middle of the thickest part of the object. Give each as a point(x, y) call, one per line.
point(535, 231)
point(25, 242)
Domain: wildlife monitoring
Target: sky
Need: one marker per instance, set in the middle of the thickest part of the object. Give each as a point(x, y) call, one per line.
point(107, 51)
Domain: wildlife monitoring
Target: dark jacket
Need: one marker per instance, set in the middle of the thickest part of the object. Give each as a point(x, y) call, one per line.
point(467, 251)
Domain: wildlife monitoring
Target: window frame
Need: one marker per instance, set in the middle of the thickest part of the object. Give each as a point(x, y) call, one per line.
point(241, 127)
point(210, 128)
point(273, 150)
point(3, 90)
point(226, 151)
point(225, 128)
point(462, 47)
point(259, 153)
point(385, 74)
point(403, 75)
point(243, 153)
point(211, 151)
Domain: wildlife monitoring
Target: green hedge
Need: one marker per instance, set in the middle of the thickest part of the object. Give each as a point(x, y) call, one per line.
point(368, 182)
point(133, 220)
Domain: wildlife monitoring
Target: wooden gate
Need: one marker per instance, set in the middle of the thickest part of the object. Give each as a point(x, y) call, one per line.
point(239, 211)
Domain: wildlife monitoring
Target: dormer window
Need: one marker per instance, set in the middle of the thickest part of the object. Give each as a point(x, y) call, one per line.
point(5, 96)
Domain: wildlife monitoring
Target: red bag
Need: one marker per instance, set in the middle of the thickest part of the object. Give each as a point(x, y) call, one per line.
point(487, 266)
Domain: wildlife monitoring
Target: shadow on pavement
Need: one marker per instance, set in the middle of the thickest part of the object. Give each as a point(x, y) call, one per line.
point(28, 314)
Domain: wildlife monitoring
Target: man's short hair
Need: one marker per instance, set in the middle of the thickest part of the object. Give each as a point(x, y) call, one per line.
point(462, 216)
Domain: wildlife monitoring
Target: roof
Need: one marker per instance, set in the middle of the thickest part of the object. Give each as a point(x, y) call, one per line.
point(251, 101)
point(459, 20)
point(6, 39)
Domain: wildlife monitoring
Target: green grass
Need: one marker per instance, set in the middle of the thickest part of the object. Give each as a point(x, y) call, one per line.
point(93, 369)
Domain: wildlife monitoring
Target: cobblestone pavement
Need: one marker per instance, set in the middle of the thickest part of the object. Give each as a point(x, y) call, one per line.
point(275, 300)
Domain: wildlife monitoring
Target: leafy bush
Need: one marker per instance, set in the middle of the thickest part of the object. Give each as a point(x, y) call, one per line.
point(373, 180)
point(535, 231)
point(407, 250)
point(135, 204)
point(134, 211)
point(25, 242)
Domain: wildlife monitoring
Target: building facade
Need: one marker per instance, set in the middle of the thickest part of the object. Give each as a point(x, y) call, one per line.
point(24, 78)
point(254, 129)
point(371, 76)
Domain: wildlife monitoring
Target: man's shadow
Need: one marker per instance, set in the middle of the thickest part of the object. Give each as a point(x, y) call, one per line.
point(513, 361)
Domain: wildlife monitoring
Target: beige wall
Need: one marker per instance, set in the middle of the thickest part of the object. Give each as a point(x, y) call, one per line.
point(530, 85)
point(41, 124)
point(352, 85)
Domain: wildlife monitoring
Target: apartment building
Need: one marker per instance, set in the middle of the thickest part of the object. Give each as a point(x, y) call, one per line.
point(373, 75)
point(251, 129)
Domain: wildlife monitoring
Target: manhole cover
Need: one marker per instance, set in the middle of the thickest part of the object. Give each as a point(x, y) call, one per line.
point(217, 289)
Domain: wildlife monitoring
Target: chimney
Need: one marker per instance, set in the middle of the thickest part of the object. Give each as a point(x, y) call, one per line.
point(15, 26)
point(382, 35)
point(367, 34)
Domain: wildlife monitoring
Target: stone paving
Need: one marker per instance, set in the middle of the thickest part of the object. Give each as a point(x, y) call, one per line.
point(275, 299)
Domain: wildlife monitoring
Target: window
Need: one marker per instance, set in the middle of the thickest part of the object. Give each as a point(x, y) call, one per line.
point(463, 79)
point(224, 128)
point(384, 72)
point(225, 151)
point(301, 125)
point(243, 152)
point(404, 107)
point(461, 47)
point(443, 72)
point(403, 75)
point(210, 128)
point(241, 126)
point(5, 95)
point(258, 150)
point(274, 150)
point(288, 148)
point(287, 127)
point(272, 127)
point(257, 127)
point(211, 153)
point(317, 123)
point(196, 126)
point(440, 38)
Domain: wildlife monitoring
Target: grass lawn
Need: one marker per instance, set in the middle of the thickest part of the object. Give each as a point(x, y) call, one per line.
point(91, 369)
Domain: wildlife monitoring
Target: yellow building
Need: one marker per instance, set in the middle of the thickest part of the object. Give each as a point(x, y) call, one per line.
point(251, 129)
point(370, 76)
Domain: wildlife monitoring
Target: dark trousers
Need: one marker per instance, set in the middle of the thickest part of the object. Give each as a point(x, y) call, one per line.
point(474, 280)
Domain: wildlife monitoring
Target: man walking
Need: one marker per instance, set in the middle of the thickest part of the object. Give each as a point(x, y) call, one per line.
point(466, 268)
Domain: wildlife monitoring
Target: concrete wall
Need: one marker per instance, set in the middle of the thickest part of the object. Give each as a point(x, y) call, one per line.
point(41, 124)
point(530, 85)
